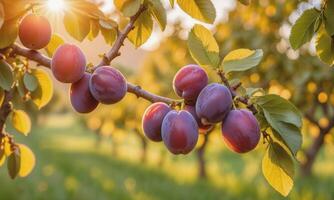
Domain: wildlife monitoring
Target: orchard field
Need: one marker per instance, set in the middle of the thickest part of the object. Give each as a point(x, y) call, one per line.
point(72, 167)
point(167, 99)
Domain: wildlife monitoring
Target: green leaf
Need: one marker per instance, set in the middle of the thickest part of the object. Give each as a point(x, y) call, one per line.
point(2, 15)
point(172, 3)
point(325, 47)
point(159, 13)
point(6, 75)
point(329, 18)
point(242, 60)
point(284, 118)
point(13, 164)
point(142, 31)
point(30, 82)
point(202, 10)
point(21, 121)
point(278, 169)
point(127, 7)
point(20, 87)
point(303, 30)
point(8, 33)
point(43, 94)
point(54, 43)
point(203, 47)
point(245, 2)
point(77, 25)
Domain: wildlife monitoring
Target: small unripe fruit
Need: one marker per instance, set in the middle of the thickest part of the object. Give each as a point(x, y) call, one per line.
point(241, 131)
point(179, 132)
point(35, 31)
point(202, 128)
point(213, 103)
point(189, 81)
point(68, 64)
point(108, 85)
point(81, 98)
point(152, 120)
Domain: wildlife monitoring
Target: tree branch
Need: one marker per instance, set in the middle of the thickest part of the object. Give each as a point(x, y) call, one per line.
point(121, 36)
point(5, 109)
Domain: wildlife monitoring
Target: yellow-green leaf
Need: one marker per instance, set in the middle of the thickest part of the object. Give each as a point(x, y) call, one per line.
point(54, 43)
point(203, 47)
point(143, 29)
point(325, 47)
point(303, 30)
point(109, 35)
point(94, 30)
point(329, 18)
point(27, 162)
point(6, 75)
point(2, 95)
point(13, 163)
point(241, 60)
point(202, 10)
point(8, 33)
point(21, 121)
point(127, 7)
point(278, 169)
point(2, 15)
point(159, 13)
point(172, 3)
point(77, 25)
point(43, 94)
point(2, 156)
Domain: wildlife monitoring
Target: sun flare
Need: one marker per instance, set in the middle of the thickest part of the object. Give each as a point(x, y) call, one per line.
point(56, 6)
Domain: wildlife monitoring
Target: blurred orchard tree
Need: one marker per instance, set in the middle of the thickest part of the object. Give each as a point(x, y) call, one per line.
point(236, 99)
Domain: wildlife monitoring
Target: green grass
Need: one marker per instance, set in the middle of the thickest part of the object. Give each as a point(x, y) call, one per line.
point(71, 166)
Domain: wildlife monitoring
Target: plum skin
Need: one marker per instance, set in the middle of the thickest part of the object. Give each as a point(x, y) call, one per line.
point(241, 131)
point(81, 99)
point(189, 81)
point(108, 85)
point(35, 32)
point(214, 103)
point(179, 132)
point(152, 120)
point(201, 127)
point(68, 64)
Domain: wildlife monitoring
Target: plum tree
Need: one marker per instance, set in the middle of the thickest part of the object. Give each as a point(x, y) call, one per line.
point(108, 85)
point(68, 64)
point(213, 103)
point(152, 120)
point(35, 31)
point(179, 132)
point(189, 82)
point(202, 128)
point(81, 98)
point(241, 131)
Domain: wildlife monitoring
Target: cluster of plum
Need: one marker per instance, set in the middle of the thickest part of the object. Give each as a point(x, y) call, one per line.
point(204, 105)
point(106, 85)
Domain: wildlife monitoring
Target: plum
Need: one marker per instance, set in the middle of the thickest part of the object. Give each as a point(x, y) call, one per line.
point(202, 128)
point(68, 64)
point(108, 85)
point(179, 132)
point(213, 103)
point(34, 32)
point(189, 81)
point(241, 131)
point(152, 120)
point(81, 98)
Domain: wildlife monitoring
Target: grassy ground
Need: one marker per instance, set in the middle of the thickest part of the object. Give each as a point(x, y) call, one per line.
point(71, 166)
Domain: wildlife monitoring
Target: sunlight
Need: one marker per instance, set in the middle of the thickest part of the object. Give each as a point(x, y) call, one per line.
point(56, 6)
